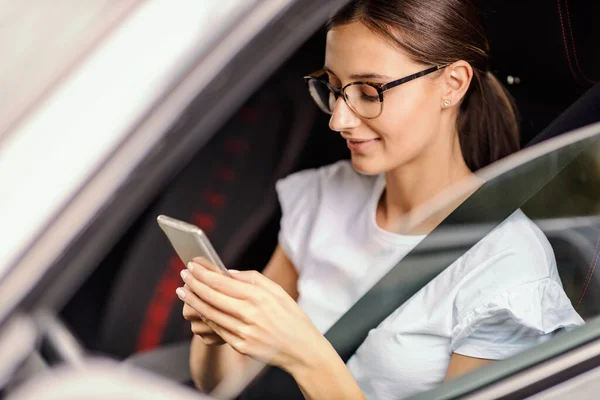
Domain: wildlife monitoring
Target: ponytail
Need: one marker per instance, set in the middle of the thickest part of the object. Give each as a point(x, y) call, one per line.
point(487, 123)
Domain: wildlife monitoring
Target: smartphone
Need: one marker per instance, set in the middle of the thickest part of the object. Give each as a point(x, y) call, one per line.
point(189, 241)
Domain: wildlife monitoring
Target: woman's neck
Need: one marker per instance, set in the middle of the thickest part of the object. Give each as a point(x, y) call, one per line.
point(413, 184)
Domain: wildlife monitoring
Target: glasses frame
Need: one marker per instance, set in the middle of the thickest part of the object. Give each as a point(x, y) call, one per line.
point(377, 86)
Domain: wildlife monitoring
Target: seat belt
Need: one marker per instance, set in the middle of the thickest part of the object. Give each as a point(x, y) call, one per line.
point(489, 206)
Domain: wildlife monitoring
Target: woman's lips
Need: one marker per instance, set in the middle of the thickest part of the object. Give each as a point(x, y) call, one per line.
point(360, 146)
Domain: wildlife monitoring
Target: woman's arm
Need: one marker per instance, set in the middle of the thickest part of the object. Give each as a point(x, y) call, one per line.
point(326, 377)
point(210, 363)
point(281, 271)
point(461, 365)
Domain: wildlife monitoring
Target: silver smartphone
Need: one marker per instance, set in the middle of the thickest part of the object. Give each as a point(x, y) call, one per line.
point(189, 241)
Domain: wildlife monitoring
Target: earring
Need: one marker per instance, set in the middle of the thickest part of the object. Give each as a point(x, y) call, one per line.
point(446, 102)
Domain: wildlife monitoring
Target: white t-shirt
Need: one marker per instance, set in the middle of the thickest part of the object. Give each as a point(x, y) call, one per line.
point(501, 297)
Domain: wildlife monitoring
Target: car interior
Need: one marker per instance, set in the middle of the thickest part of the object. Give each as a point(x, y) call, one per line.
point(128, 304)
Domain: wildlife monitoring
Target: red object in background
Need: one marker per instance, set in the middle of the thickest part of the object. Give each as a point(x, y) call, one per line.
point(214, 199)
point(204, 221)
point(160, 307)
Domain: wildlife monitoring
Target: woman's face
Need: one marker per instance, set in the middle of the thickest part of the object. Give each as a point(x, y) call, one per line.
point(410, 122)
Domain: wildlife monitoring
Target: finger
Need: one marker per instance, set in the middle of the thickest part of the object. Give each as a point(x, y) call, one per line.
point(229, 337)
point(203, 262)
point(208, 335)
point(190, 314)
point(201, 328)
point(223, 302)
point(257, 279)
point(213, 340)
point(221, 283)
point(210, 314)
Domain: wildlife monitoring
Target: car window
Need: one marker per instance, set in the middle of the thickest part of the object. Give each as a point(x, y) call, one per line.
point(567, 210)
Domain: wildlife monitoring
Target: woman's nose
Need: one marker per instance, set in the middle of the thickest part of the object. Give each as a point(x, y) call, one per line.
point(343, 118)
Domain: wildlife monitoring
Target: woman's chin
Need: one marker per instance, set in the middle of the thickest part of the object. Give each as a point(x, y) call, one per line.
point(365, 166)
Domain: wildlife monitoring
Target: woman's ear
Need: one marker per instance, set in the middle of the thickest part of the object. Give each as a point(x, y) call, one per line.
point(457, 77)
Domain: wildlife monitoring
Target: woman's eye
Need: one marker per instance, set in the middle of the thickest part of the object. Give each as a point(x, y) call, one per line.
point(368, 93)
point(369, 97)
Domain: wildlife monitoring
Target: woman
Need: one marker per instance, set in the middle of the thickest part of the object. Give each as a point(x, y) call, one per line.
point(407, 86)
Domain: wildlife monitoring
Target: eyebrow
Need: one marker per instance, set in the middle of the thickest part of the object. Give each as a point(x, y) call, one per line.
point(361, 76)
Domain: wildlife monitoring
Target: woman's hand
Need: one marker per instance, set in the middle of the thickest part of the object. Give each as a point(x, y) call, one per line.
point(200, 327)
point(254, 315)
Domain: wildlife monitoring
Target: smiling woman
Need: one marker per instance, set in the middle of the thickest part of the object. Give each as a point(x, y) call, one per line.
point(407, 86)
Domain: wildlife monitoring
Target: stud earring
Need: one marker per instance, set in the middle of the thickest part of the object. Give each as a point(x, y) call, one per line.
point(446, 103)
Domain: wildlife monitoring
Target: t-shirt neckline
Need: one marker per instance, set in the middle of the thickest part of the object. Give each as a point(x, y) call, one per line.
point(382, 234)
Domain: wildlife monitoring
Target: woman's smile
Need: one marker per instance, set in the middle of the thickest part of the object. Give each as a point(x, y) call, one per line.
point(361, 145)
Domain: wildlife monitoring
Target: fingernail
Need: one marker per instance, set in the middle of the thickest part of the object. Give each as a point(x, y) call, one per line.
point(180, 292)
point(190, 266)
point(233, 271)
point(184, 274)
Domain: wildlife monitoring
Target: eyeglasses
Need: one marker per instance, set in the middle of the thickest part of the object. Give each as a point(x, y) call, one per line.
point(364, 98)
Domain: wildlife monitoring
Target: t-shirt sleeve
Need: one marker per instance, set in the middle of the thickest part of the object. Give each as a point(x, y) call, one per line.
point(299, 198)
point(514, 320)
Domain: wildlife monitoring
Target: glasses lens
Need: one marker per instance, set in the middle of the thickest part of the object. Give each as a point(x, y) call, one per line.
point(364, 100)
point(322, 95)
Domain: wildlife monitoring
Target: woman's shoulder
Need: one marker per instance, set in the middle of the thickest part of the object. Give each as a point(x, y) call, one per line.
point(523, 238)
point(512, 297)
point(514, 254)
point(518, 240)
point(329, 194)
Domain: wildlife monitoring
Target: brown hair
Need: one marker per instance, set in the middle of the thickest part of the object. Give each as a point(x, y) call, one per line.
point(439, 32)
